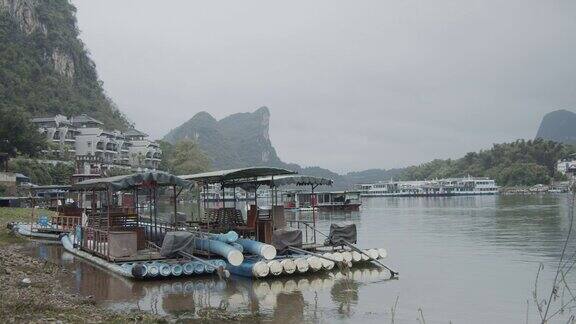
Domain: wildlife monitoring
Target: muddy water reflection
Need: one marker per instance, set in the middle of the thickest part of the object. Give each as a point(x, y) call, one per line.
point(293, 299)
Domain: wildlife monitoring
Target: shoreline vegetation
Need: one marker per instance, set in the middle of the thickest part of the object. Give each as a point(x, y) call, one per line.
point(521, 164)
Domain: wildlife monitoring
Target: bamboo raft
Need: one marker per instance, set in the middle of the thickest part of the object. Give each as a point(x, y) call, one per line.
point(116, 234)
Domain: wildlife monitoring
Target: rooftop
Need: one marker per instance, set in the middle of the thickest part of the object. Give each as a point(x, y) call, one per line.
point(85, 119)
point(134, 132)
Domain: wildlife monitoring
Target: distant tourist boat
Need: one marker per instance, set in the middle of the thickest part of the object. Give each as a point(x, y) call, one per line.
point(326, 201)
point(430, 188)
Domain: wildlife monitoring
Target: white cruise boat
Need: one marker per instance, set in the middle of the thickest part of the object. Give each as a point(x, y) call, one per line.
point(430, 188)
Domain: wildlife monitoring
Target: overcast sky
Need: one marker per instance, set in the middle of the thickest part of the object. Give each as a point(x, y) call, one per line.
point(350, 85)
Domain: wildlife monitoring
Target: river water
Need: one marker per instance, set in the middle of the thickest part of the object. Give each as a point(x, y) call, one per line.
point(461, 259)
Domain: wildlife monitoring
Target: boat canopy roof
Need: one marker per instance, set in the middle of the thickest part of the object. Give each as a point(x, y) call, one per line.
point(232, 175)
point(50, 187)
point(293, 179)
point(133, 180)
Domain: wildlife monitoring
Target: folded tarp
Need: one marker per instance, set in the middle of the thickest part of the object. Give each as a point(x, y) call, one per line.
point(340, 232)
point(177, 241)
point(283, 238)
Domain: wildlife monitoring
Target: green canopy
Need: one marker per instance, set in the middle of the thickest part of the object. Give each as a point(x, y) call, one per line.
point(285, 180)
point(244, 174)
point(293, 179)
point(132, 180)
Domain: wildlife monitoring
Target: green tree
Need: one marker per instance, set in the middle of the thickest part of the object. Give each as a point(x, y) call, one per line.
point(516, 174)
point(115, 171)
point(185, 157)
point(17, 134)
point(42, 173)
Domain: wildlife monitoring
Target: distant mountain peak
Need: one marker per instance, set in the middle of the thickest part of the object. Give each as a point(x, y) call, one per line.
point(237, 140)
point(558, 126)
point(203, 116)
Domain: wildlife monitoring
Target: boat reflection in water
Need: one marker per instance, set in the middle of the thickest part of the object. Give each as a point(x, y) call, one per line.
point(292, 299)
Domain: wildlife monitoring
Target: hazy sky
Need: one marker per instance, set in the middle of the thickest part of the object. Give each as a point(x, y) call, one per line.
point(350, 85)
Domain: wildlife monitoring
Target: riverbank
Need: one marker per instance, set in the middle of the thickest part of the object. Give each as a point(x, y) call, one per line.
point(31, 292)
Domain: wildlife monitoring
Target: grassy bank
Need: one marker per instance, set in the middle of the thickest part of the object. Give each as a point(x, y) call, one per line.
point(43, 299)
point(8, 215)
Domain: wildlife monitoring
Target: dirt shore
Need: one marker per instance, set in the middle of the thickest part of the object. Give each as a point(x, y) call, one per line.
point(30, 289)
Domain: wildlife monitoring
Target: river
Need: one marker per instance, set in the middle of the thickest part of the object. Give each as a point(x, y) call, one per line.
point(461, 259)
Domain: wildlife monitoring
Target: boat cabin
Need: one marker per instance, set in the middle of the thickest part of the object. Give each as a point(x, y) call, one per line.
point(124, 221)
point(339, 200)
point(262, 220)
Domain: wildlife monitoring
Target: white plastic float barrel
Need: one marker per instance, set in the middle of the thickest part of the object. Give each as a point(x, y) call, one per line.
point(153, 270)
point(327, 264)
point(337, 256)
point(302, 265)
point(231, 254)
point(218, 263)
point(314, 263)
point(356, 256)
point(347, 256)
point(373, 253)
point(176, 269)
point(275, 267)
point(229, 237)
point(188, 268)
point(199, 267)
point(288, 265)
point(258, 248)
point(382, 253)
point(165, 269)
point(250, 268)
point(237, 246)
point(365, 256)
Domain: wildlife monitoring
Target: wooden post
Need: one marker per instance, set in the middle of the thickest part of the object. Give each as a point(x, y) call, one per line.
point(313, 212)
point(272, 198)
point(256, 211)
point(135, 206)
point(223, 198)
point(151, 221)
point(175, 208)
point(108, 196)
point(155, 193)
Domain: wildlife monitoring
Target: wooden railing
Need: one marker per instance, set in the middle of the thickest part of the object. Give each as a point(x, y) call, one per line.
point(222, 219)
point(95, 241)
point(65, 222)
point(58, 222)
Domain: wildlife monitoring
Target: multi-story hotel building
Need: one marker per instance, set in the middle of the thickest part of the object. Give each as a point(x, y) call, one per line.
point(85, 136)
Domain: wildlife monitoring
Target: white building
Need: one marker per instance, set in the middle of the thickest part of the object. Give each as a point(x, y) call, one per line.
point(60, 133)
point(142, 152)
point(85, 136)
point(567, 166)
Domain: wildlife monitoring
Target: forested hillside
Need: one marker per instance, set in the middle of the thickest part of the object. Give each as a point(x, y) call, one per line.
point(517, 163)
point(45, 68)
